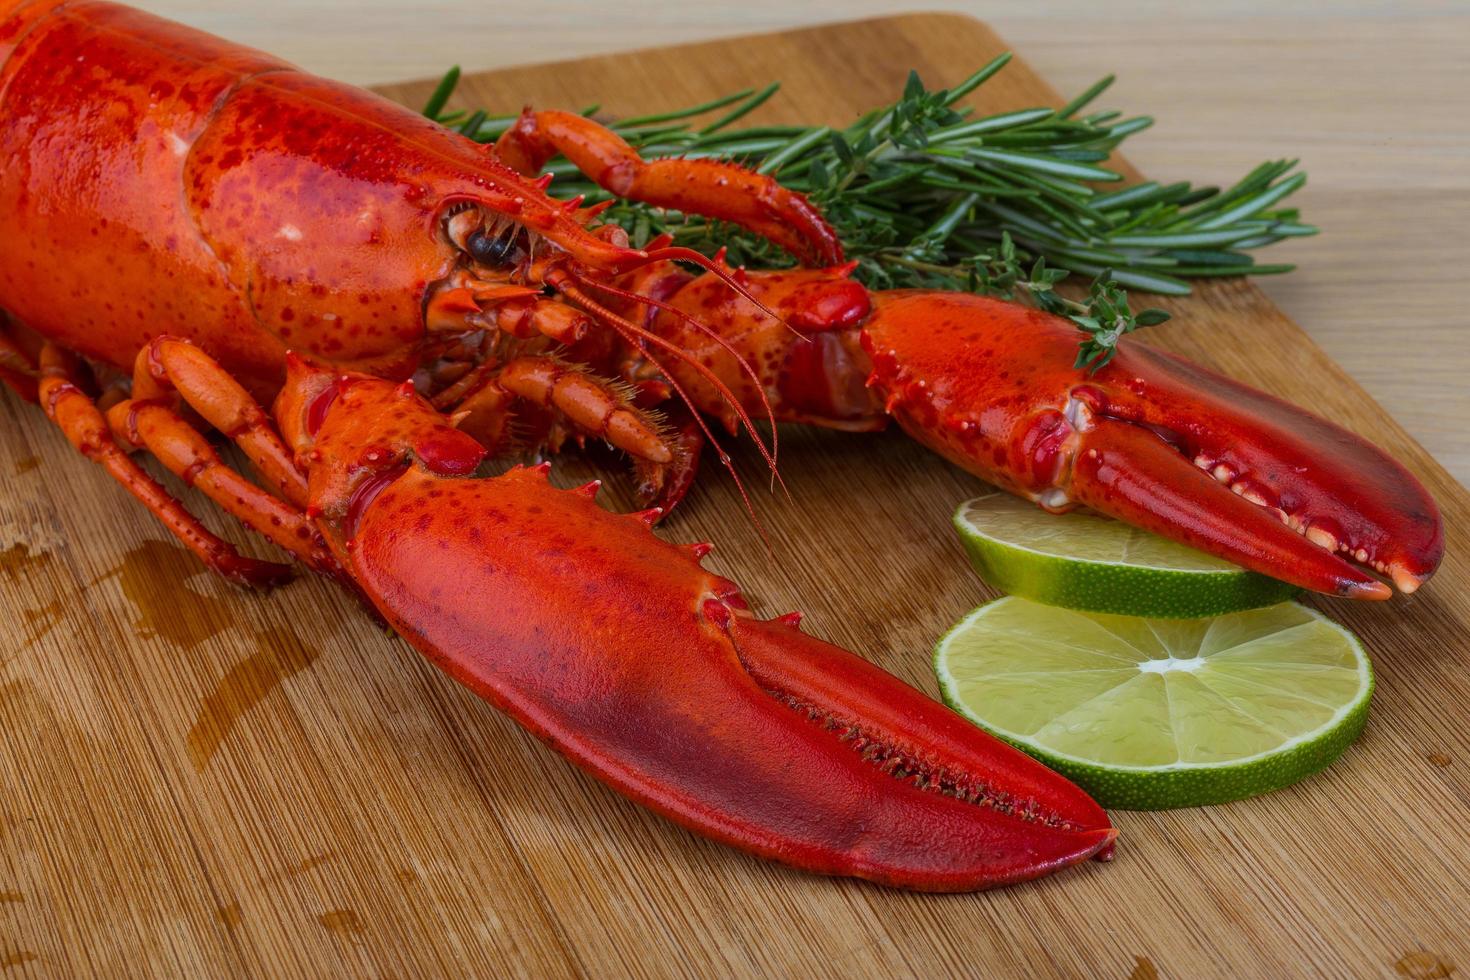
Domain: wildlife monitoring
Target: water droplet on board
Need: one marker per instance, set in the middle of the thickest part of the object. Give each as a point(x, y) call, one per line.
point(340, 921)
point(16, 563)
point(153, 576)
point(295, 870)
point(41, 621)
point(1423, 965)
point(1143, 969)
point(278, 655)
point(19, 558)
point(315, 861)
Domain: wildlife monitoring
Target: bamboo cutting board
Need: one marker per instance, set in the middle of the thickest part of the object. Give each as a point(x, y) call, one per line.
point(202, 782)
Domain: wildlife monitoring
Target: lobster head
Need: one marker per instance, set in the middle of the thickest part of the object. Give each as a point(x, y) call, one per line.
point(367, 236)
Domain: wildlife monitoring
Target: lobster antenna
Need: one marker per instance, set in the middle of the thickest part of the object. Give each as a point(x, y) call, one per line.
point(750, 372)
point(682, 254)
point(625, 326)
point(725, 460)
point(630, 332)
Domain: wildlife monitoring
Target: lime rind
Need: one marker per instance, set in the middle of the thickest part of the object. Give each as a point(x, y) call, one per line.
point(1257, 708)
point(1092, 563)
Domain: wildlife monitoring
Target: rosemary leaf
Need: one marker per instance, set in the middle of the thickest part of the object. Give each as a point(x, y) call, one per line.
point(442, 92)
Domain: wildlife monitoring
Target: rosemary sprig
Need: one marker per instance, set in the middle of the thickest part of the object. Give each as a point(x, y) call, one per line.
point(925, 194)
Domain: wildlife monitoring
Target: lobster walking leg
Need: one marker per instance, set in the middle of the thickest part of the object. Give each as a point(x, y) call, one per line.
point(185, 452)
point(712, 188)
point(486, 412)
point(595, 406)
point(169, 369)
point(664, 458)
point(168, 365)
point(71, 409)
point(16, 369)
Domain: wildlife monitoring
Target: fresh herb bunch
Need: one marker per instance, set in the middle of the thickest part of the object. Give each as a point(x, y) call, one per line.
point(924, 194)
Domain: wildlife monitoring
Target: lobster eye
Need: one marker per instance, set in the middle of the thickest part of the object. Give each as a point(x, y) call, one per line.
point(502, 252)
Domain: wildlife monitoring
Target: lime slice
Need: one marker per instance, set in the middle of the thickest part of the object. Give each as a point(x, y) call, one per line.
point(1085, 561)
point(1149, 714)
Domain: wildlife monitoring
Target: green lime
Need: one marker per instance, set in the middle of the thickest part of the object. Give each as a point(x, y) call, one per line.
point(1081, 560)
point(1150, 714)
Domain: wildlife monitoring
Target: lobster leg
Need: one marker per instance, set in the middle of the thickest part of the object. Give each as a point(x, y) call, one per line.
point(486, 411)
point(168, 369)
point(664, 486)
point(16, 369)
point(77, 415)
point(714, 189)
point(596, 407)
point(593, 405)
point(168, 365)
point(189, 456)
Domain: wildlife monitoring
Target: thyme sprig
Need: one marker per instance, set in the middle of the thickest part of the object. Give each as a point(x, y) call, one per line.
point(924, 193)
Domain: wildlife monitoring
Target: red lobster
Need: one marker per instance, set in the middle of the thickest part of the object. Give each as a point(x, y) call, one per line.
point(226, 230)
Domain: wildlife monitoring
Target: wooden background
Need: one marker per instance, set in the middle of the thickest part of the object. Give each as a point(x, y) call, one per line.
point(197, 781)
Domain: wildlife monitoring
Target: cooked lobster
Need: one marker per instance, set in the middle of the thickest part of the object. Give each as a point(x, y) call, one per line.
point(195, 229)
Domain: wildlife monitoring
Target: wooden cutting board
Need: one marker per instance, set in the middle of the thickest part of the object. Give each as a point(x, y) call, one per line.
point(197, 781)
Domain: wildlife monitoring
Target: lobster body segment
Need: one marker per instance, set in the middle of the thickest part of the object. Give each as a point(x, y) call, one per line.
point(209, 192)
point(650, 673)
point(93, 196)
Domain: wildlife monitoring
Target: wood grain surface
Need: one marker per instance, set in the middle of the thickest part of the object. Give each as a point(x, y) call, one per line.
point(200, 782)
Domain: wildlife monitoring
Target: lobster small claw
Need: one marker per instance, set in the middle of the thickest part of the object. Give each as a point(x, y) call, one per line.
point(650, 673)
point(1153, 440)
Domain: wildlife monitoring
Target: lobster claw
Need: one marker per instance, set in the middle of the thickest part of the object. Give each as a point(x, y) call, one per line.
point(621, 652)
point(913, 795)
point(1153, 440)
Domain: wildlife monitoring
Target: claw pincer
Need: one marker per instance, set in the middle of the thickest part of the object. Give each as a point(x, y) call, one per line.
point(1153, 440)
point(1150, 439)
point(621, 652)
